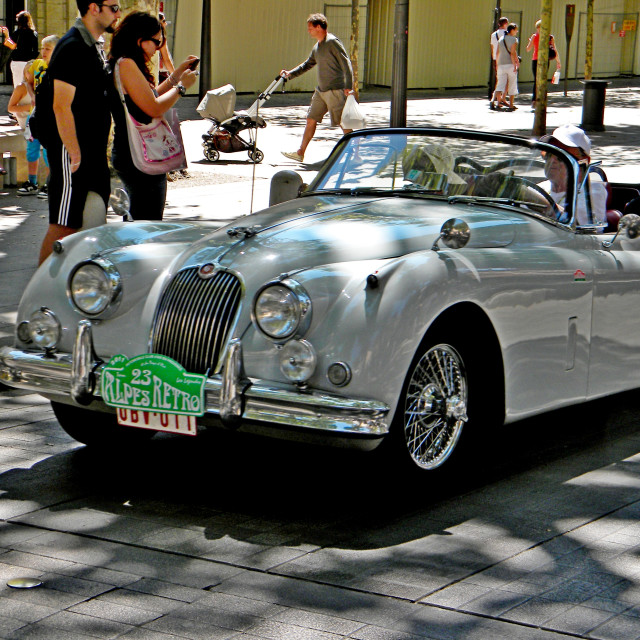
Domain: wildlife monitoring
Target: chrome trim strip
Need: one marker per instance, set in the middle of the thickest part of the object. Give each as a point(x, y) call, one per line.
point(263, 402)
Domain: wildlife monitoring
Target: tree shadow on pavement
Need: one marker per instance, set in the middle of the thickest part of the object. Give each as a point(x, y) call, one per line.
point(507, 516)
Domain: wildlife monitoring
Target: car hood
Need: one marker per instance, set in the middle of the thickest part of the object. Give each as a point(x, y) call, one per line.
point(322, 230)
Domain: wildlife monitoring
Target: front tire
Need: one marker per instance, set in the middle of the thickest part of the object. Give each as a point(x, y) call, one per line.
point(433, 409)
point(256, 156)
point(97, 429)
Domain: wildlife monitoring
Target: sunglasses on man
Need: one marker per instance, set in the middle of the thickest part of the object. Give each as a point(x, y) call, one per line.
point(114, 7)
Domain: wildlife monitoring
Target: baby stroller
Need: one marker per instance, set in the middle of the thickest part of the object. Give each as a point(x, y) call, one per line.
point(224, 134)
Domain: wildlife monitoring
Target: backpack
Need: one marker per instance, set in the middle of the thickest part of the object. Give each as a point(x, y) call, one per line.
point(42, 122)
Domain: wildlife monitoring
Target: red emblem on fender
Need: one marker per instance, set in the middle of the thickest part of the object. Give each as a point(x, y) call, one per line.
point(579, 276)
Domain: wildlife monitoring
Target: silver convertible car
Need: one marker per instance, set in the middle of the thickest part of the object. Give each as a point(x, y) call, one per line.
point(427, 285)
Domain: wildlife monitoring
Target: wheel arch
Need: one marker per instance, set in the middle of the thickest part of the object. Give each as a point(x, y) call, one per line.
point(473, 327)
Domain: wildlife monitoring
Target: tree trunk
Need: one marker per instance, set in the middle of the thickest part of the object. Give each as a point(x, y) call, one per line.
point(540, 119)
point(355, 36)
point(588, 58)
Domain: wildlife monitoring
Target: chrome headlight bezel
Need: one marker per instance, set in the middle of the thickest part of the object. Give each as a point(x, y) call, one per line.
point(300, 316)
point(113, 288)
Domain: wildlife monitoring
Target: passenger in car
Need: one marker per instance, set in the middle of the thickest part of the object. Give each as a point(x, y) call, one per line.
point(574, 141)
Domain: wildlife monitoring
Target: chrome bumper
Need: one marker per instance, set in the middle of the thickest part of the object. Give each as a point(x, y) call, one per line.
point(230, 396)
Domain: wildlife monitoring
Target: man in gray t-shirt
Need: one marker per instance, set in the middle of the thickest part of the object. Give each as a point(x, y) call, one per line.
point(335, 80)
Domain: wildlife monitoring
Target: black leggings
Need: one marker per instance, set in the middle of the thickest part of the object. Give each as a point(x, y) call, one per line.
point(147, 193)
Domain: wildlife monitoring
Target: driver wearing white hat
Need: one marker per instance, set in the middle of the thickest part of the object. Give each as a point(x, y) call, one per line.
point(575, 142)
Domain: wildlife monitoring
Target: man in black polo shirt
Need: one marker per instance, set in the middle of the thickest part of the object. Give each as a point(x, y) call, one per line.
point(79, 185)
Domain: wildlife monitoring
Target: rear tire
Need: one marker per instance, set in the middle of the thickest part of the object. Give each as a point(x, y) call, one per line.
point(256, 156)
point(97, 429)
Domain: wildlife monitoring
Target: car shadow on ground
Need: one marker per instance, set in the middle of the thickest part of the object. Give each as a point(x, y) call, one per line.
point(287, 482)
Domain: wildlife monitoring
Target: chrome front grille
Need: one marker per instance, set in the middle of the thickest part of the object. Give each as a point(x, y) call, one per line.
point(194, 319)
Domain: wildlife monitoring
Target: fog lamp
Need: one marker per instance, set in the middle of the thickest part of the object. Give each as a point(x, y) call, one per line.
point(298, 360)
point(44, 328)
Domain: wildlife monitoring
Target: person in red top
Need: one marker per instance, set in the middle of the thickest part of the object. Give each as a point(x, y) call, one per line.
point(533, 43)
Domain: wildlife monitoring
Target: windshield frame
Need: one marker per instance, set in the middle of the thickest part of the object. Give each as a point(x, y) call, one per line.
point(517, 141)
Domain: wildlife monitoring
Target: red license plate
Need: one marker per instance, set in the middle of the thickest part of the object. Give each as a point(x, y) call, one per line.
point(167, 422)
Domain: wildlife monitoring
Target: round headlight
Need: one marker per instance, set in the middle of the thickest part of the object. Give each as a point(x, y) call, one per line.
point(282, 310)
point(44, 328)
point(298, 360)
point(94, 287)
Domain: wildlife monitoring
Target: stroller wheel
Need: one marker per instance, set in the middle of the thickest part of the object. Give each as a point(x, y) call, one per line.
point(256, 156)
point(212, 155)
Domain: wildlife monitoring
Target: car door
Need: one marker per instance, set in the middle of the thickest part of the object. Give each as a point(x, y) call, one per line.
point(615, 340)
point(545, 326)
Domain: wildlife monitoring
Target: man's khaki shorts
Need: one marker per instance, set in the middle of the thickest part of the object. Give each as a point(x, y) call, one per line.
point(323, 101)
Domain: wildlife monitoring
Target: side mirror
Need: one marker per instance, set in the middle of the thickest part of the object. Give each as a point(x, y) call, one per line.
point(629, 225)
point(121, 203)
point(285, 185)
point(454, 233)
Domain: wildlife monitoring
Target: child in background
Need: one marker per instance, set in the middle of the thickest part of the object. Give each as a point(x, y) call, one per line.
point(33, 73)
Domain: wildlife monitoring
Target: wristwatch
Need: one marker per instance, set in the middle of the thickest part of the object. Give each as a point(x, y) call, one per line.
point(181, 89)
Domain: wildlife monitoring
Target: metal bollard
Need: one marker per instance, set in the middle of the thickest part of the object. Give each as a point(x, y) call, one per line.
point(285, 185)
point(11, 179)
point(593, 98)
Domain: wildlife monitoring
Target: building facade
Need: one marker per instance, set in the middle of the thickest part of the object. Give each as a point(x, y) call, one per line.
point(252, 40)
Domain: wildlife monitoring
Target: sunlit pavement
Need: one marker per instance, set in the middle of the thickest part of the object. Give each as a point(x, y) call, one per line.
point(535, 536)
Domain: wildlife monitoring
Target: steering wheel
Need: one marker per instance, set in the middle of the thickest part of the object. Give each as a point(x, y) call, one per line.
point(554, 205)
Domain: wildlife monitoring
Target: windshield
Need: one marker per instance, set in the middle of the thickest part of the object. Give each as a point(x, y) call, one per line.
point(450, 166)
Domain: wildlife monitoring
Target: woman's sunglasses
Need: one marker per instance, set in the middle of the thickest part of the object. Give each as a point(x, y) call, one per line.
point(155, 41)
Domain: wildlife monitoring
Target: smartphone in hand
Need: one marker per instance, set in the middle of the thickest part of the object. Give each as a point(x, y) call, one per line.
point(194, 64)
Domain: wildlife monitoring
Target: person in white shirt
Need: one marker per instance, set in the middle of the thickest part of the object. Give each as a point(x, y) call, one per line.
point(574, 141)
point(493, 42)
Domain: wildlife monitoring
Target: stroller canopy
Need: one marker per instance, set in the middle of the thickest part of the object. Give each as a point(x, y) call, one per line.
point(218, 103)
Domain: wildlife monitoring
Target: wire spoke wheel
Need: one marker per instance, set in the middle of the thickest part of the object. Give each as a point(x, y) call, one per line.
point(435, 406)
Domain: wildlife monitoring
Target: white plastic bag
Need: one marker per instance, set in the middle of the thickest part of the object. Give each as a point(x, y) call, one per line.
point(352, 116)
point(556, 78)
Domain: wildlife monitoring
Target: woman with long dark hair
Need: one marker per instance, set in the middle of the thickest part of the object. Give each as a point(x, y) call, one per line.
point(24, 42)
point(136, 40)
